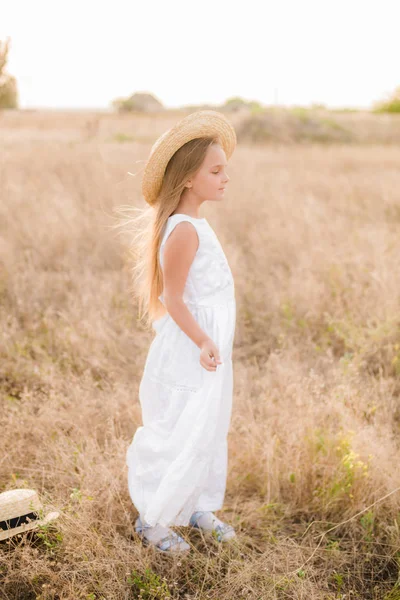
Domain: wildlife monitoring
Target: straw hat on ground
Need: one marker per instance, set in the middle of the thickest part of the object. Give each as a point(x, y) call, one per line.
point(19, 512)
point(198, 124)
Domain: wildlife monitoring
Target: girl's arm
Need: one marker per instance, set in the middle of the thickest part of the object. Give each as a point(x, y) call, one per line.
point(179, 252)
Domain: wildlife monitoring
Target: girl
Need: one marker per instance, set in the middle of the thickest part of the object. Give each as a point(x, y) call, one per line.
point(177, 461)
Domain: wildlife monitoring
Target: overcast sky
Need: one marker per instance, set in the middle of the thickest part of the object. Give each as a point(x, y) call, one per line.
point(295, 52)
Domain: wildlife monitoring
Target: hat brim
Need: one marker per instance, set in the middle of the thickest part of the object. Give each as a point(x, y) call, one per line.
point(7, 533)
point(198, 124)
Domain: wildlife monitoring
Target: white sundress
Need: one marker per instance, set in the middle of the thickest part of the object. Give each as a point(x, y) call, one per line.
point(177, 461)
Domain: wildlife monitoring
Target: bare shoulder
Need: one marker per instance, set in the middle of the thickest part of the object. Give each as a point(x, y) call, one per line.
point(183, 237)
point(179, 253)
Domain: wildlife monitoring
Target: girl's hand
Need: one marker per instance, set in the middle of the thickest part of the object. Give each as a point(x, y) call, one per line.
point(209, 355)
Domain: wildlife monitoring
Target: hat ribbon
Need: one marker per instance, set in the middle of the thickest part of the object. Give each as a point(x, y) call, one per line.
point(17, 521)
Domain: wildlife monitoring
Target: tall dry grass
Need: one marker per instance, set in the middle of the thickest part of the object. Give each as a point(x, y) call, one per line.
point(312, 237)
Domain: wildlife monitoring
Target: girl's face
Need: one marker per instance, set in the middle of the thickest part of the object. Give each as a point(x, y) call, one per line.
point(211, 179)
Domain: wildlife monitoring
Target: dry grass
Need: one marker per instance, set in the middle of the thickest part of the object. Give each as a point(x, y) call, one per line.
point(312, 237)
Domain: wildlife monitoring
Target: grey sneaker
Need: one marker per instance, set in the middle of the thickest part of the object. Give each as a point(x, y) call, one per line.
point(222, 533)
point(169, 543)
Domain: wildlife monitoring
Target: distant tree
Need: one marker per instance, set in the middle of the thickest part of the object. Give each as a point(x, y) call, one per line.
point(236, 103)
point(141, 102)
point(318, 106)
point(390, 104)
point(8, 83)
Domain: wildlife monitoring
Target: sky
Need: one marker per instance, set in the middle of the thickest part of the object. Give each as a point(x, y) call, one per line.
point(86, 53)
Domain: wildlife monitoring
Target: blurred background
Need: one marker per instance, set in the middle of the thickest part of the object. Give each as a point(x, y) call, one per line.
point(310, 226)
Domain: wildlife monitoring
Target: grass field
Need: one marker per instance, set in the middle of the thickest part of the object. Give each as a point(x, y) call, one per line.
point(312, 235)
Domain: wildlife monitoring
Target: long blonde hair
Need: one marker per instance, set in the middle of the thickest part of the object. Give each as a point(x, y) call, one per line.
point(146, 229)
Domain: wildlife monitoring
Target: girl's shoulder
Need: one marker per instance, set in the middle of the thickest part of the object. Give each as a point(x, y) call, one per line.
point(203, 230)
point(177, 217)
point(200, 224)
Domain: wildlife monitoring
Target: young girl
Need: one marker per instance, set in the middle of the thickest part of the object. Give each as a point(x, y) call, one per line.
point(177, 461)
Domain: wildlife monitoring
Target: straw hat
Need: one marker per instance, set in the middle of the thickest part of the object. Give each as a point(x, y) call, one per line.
point(198, 124)
point(19, 512)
